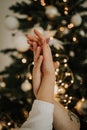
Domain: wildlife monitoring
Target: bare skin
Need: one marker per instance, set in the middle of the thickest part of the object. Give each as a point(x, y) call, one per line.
point(63, 119)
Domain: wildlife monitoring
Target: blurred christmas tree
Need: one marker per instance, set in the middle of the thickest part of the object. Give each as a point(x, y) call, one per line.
point(65, 22)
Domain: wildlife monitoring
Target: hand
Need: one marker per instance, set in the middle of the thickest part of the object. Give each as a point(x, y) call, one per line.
point(37, 67)
point(47, 74)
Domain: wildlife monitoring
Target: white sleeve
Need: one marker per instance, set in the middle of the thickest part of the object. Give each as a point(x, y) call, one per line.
point(40, 117)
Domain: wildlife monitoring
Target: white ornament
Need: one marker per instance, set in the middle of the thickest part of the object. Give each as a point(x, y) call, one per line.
point(26, 86)
point(51, 11)
point(76, 20)
point(56, 43)
point(49, 33)
point(11, 22)
point(20, 42)
point(64, 22)
point(81, 107)
point(82, 33)
point(72, 53)
point(37, 27)
point(66, 31)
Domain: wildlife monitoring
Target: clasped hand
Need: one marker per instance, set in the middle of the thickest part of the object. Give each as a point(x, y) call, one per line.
point(43, 71)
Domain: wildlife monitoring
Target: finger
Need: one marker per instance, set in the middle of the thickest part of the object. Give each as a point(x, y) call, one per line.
point(31, 48)
point(39, 63)
point(37, 54)
point(32, 38)
point(30, 42)
point(46, 52)
point(34, 48)
point(40, 36)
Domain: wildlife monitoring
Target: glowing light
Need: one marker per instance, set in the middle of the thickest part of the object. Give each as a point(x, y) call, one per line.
point(57, 70)
point(66, 95)
point(3, 84)
point(71, 25)
point(62, 84)
point(57, 55)
point(65, 65)
point(66, 107)
point(29, 18)
point(72, 81)
point(9, 123)
point(61, 29)
point(69, 101)
point(67, 74)
point(60, 81)
point(43, 3)
point(70, 97)
point(74, 39)
point(66, 8)
point(65, 100)
point(29, 76)
point(66, 86)
point(83, 99)
point(56, 73)
point(64, 0)
point(24, 60)
point(65, 12)
point(65, 60)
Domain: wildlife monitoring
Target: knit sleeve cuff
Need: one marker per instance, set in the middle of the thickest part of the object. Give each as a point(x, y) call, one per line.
point(40, 105)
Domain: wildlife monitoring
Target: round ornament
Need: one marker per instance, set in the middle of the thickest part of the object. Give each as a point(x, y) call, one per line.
point(37, 27)
point(51, 11)
point(11, 22)
point(81, 107)
point(20, 42)
point(26, 86)
point(82, 33)
point(66, 31)
point(76, 20)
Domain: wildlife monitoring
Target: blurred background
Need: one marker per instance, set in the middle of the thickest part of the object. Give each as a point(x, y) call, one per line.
point(64, 22)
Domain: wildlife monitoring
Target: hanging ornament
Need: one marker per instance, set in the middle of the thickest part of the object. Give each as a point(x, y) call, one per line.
point(72, 53)
point(66, 31)
point(49, 33)
point(20, 42)
point(76, 20)
point(56, 43)
point(52, 11)
point(11, 22)
point(82, 33)
point(26, 86)
point(37, 27)
point(81, 107)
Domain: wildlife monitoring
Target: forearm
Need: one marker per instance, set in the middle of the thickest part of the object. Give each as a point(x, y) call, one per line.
point(64, 119)
point(46, 90)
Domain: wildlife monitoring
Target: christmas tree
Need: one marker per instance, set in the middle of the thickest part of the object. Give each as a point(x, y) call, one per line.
point(65, 23)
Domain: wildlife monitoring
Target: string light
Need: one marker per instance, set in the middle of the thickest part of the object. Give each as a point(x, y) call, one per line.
point(66, 12)
point(71, 25)
point(74, 39)
point(65, 60)
point(2, 84)
point(29, 18)
point(43, 3)
point(57, 55)
point(64, 0)
point(83, 99)
point(61, 29)
point(66, 86)
point(24, 60)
